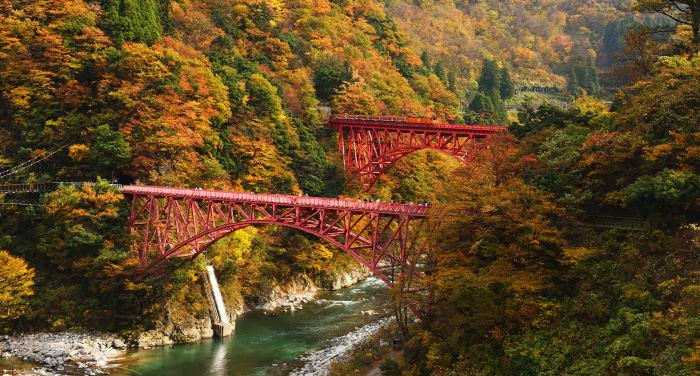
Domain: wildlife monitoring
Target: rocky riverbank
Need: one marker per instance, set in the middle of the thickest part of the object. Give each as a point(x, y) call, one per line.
point(64, 353)
point(318, 363)
point(302, 289)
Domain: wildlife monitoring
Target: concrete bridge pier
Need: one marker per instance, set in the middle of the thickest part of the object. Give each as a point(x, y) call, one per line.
point(221, 326)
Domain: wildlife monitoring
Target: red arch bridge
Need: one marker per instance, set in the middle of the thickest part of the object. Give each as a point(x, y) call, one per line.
point(369, 145)
point(183, 222)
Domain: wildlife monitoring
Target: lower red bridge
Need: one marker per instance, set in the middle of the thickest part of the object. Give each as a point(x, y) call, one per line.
point(369, 145)
point(182, 222)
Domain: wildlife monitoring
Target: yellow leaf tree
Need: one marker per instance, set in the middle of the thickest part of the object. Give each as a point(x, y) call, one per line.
point(16, 281)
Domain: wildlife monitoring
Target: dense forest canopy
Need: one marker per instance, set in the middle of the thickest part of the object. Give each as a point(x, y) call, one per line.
point(231, 94)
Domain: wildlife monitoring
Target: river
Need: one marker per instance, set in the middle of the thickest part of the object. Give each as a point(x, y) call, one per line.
point(262, 344)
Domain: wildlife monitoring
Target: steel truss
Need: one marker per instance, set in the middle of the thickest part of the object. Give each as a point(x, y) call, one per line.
point(181, 222)
point(370, 147)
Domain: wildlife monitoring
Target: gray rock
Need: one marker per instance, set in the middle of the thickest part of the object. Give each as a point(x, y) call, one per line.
point(57, 353)
point(118, 344)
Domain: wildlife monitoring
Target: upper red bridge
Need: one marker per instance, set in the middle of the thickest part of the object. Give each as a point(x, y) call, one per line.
point(183, 222)
point(371, 144)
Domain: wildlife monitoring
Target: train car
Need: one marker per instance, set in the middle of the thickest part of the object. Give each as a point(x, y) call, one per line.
point(398, 119)
point(417, 120)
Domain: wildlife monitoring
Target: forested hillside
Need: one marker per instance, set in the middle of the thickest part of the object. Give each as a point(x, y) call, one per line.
point(232, 94)
point(540, 41)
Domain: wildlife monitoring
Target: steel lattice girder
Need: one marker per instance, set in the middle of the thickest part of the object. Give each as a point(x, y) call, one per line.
point(369, 147)
point(180, 222)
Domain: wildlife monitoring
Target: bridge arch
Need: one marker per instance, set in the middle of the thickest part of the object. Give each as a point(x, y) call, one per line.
point(369, 173)
point(226, 230)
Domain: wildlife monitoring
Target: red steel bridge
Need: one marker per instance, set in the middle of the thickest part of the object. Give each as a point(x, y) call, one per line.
point(369, 145)
point(183, 222)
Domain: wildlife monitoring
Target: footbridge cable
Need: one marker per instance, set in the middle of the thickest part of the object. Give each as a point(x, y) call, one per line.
point(29, 163)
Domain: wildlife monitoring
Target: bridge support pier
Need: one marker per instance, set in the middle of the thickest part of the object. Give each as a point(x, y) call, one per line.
point(221, 326)
point(222, 330)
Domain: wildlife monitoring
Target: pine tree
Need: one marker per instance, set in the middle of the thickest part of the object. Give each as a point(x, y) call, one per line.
point(572, 85)
point(425, 58)
point(328, 77)
point(136, 20)
point(439, 71)
point(452, 81)
point(499, 108)
point(480, 103)
point(587, 77)
point(490, 78)
point(583, 78)
point(507, 89)
point(592, 75)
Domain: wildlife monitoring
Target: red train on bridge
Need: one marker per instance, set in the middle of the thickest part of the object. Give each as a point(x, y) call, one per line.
point(398, 119)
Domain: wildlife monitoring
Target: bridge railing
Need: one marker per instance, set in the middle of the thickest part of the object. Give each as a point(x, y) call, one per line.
point(44, 187)
point(623, 223)
point(267, 198)
point(418, 126)
point(371, 117)
point(81, 183)
point(25, 188)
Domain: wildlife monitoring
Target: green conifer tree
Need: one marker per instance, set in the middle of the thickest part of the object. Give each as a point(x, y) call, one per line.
point(136, 20)
point(572, 84)
point(592, 74)
point(583, 78)
point(490, 78)
point(452, 81)
point(439, 71)
point(499, 108)
point(507, 89)
point(480, 103)
point(425, 58)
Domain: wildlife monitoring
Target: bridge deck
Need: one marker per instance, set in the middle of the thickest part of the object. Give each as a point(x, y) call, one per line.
point(416, 210)
point(398, 124)
point(22, 188)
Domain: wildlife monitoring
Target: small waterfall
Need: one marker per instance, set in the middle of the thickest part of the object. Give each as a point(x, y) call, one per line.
point(222, 327)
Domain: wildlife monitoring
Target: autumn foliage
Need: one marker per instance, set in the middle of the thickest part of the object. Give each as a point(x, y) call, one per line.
point(232, 94)
point(16, 281)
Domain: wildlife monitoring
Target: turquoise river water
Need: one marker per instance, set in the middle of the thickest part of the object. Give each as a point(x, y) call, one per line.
point(261, 345)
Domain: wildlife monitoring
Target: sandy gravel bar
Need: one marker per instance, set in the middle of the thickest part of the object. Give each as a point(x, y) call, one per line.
point(63, 353)
point(318, 363)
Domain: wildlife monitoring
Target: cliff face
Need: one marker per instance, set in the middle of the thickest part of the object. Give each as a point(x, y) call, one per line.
point(288, 296)
point(302, 288)
point(170, 331)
